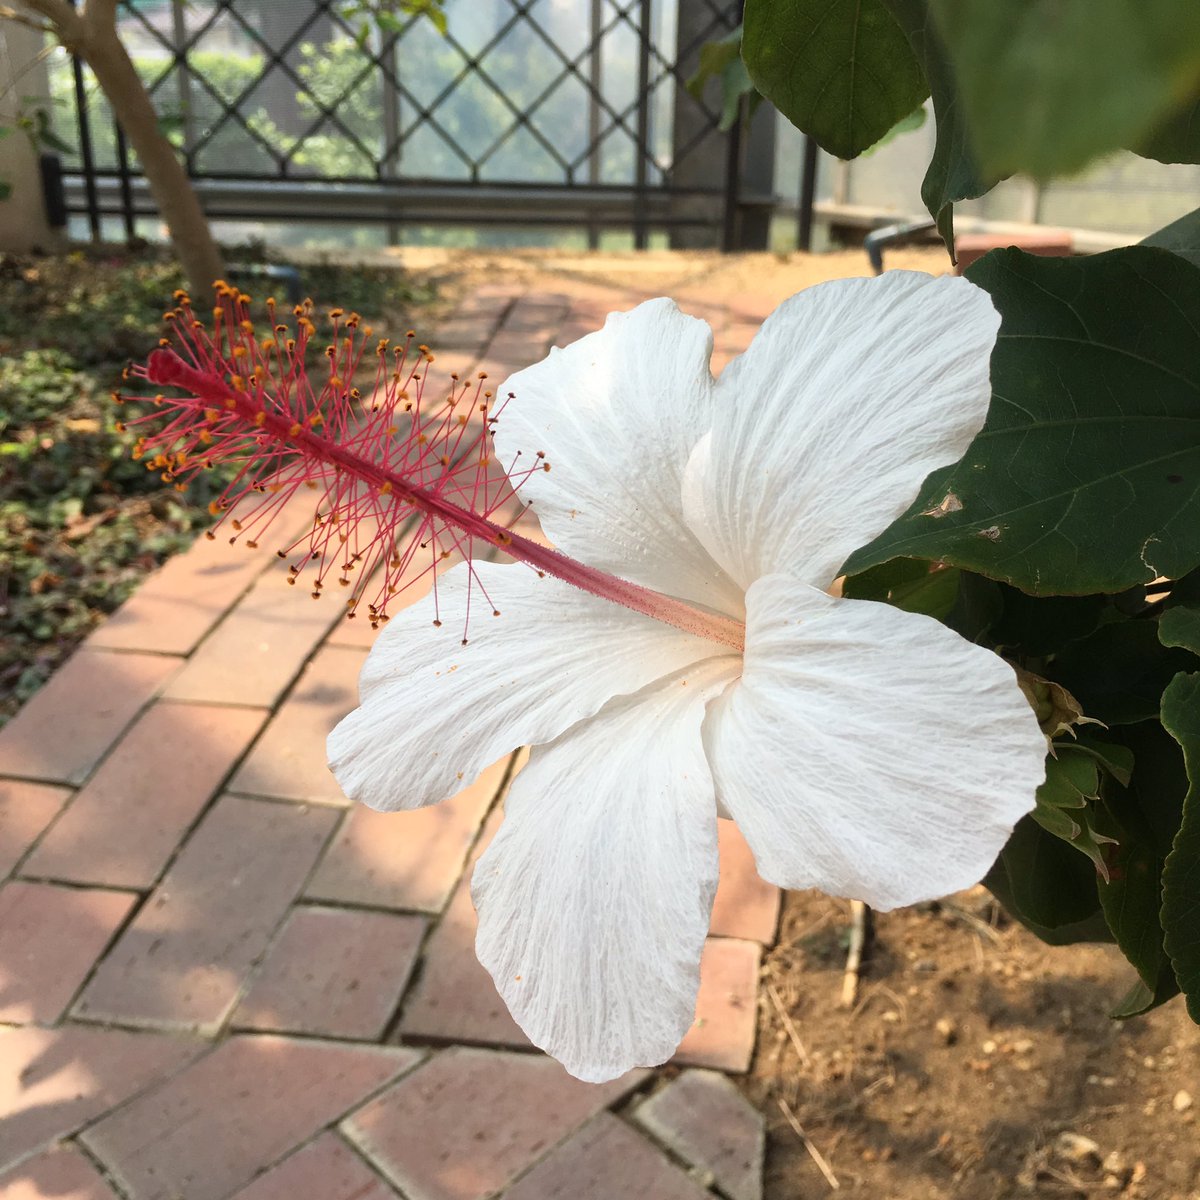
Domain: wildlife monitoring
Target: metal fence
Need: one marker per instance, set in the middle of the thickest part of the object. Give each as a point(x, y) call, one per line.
point(542, 113)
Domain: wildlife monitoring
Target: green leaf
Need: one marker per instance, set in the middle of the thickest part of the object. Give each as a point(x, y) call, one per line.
point(1181, 875)
point(840, 70)
point(1048, 887)
point(1063, 803)
point(1116, 759)
point(1049, 85)
point(1131, 896)
point(722, 60)
point(907, 583)
point(915, 120)
point(1176, 140)
point(5, 189)
point(1181, 237)
point(1118, 673)
point(1180, 626)
point(1086, 476)
point(954, 173)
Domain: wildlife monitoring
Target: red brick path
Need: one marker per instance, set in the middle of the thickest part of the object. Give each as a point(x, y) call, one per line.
point(218, 980)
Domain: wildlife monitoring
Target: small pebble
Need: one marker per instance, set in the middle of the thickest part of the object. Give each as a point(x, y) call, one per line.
point(988, 1047)
point(1075, 1148)
point(946, 1030)
point(1181, 1101)
point(1022, 1046)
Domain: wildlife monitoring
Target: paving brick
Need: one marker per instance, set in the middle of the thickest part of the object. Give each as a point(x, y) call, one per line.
point(325, 1169)
point(469, 1121)
point(61, 733)
point(454, 998)
point(55, 1080)
point(214, 1127)
point(176, 606)
point(49, 939)
point(255, 653)
point(604, 1160)
point(722, 1035)
point(25, 810)
point(406, 860)
point(746, 906)
point(62, 1174)
point(124, 825)
point(707, 1122)
point(289, 760)
point(183, 960)
point(333, 971)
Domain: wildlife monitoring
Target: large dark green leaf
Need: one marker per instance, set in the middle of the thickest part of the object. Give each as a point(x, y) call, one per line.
point(840, 70)
point(1048, 886)
point(1132, 897)
point(1048, 85)
point(953, 173)
point(1180, 626)
point(1181, 237)
point(1086, 476)
point(1118, 673)
point(1181, 876)
point(1177, 139)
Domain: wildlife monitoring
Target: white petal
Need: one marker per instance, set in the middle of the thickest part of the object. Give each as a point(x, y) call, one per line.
point(594, 898)
point(849, 396)
point(870, 752)
point(617, 414)
point(435, 712)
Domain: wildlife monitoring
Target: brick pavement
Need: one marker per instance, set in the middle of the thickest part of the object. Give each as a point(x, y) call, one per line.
point(218, 981)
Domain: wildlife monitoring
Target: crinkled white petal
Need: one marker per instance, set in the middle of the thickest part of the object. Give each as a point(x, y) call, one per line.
point(849, 396)
point(594, 897)
point(870, 752)
point(617, 414)
point(435, 712)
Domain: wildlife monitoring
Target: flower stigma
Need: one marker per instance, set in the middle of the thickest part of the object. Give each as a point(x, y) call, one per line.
point(406, 471)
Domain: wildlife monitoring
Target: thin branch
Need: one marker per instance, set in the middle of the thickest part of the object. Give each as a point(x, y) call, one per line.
point(66, 21)
point(794, 1037)
point(40, 57)
point(858, 938)
point(20, 18)
point(813, 1152)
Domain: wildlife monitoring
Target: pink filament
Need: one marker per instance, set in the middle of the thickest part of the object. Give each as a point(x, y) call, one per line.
point(388, 492)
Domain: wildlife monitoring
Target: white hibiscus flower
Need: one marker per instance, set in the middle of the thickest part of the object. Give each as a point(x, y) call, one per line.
point(862, 750)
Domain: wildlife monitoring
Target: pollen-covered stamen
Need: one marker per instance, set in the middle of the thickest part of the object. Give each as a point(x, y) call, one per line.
point(406, 477)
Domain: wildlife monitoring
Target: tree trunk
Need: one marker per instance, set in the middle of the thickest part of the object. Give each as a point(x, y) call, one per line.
point(92, 34)
point(169, 184)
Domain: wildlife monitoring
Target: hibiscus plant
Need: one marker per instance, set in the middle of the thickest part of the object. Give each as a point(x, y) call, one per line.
point(911, 591)
point(1067, 539)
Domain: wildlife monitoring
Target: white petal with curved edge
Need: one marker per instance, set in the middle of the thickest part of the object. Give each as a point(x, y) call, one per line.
point(849, 396)
point(435, 712)
point(617, 414)
point(594, 897)
point(870, 752)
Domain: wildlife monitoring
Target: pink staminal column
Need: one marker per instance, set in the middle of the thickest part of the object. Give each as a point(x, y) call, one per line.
point(407, 471)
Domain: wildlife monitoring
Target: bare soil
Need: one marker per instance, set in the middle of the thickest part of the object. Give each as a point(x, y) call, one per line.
point(975, 1063)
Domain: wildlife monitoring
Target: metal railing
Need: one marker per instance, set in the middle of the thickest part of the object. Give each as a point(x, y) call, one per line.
point(546, 113)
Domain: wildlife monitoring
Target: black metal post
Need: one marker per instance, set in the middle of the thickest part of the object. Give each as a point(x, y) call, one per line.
point(808, 193)
point(85, 152)
point(127, 213)
point(640, 229)
point(596, 80)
